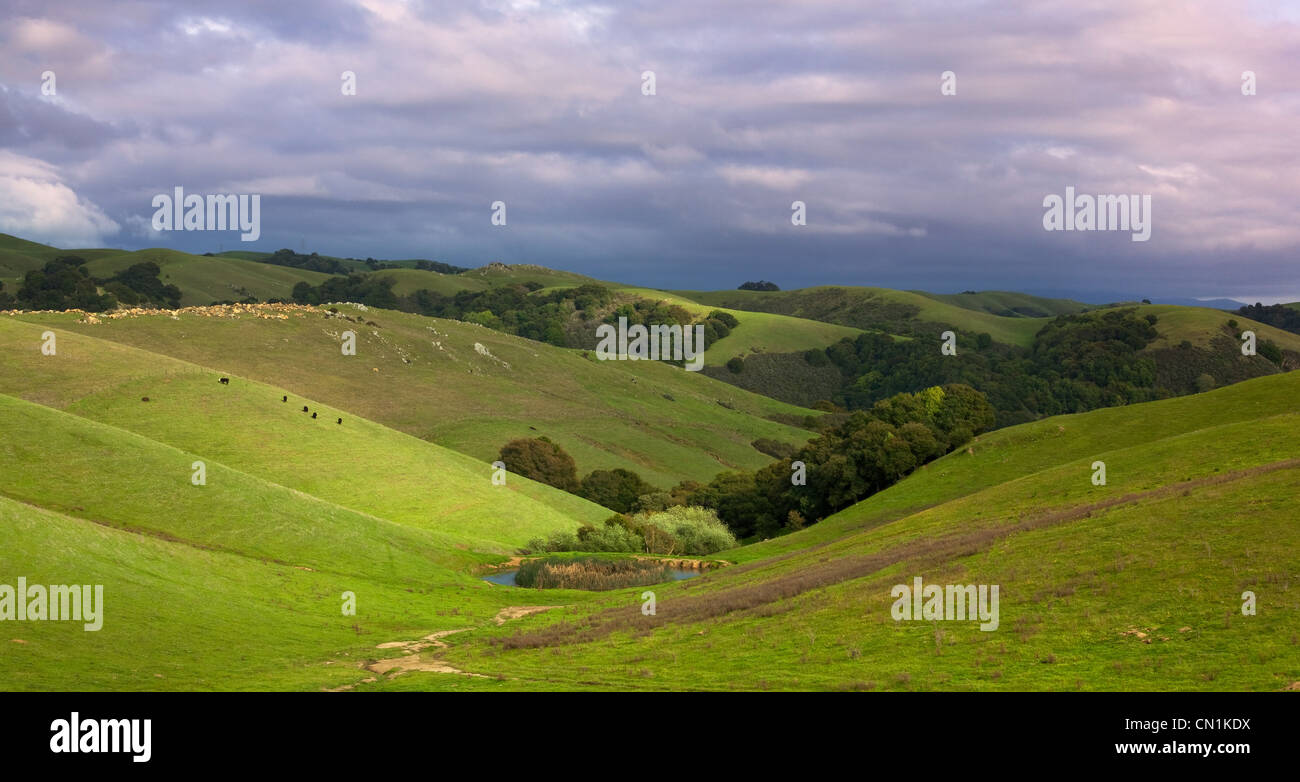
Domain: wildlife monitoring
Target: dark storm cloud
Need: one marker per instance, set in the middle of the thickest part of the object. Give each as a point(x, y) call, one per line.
point(539, 104)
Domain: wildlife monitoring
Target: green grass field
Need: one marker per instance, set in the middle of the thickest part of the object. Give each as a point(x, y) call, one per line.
point(1009, 303)
point(237, 584)
point(874, 308)
point(424, 377)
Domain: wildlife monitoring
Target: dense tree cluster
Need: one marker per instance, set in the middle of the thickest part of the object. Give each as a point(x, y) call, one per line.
point(761, 285)
point(366, 289)
point(313, 262)
point(1076, 363)
point(865, 453)
point(140, 284)
point(62, 284)
point(1280, 316)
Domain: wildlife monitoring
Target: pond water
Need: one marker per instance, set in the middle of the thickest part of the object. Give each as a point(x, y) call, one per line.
point(507, 577)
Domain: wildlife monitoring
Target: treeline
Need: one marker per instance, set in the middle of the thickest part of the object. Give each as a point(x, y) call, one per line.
point(1076, 363)
point(318, 263)
point(852, 458)
point(64, 283)
point(312, 263)
point(517, 309)
point(1280, 316)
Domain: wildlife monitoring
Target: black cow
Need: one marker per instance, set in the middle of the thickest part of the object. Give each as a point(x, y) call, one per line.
point(144, 399)
point(225, 381)
point(304, 408)
point(284, 399)
point(313, 415)
point(340, 420)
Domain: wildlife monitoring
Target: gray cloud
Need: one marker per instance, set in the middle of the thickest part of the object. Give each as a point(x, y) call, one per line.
point(539, 104)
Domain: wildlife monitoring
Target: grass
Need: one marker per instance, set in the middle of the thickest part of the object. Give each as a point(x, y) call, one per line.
point(237, 584)
point(204, 279)
point(1170, 543)
point(874, 308)
point(758, 332)
point(431, 383)
point(1009, 303)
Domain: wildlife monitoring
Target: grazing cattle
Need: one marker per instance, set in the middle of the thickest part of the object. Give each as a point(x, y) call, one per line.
point(284, 399)
point(225, 381)
point(340, 420)
point(304, 408)
point(144, 399)
point(313, 415)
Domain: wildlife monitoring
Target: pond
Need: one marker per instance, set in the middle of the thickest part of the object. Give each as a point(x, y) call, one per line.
point(507, 577)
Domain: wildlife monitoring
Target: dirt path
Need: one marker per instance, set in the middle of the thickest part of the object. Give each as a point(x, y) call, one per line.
point(412, 660)
point(519, 612)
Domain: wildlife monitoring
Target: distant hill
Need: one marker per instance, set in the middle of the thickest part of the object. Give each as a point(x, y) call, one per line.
point(1009, 304)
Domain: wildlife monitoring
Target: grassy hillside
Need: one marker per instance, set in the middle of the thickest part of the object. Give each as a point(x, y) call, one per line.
point(19, 256)
point(882, 309)
point(205, 279)
point(425, 377)
point(1132, 585)
point(1129, 586)
point(758, 332)
point(1009, 303)
point(236, 584)
point(246, 427)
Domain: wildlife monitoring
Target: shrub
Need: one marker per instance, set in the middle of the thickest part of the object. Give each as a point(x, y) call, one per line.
point(774, 448)
point(736, 364)
point(690, 530)
point(727, 318)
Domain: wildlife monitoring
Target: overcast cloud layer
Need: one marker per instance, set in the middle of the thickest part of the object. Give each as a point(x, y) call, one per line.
point(540, 105)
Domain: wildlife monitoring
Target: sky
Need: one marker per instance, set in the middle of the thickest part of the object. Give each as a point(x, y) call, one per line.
point(543, 106)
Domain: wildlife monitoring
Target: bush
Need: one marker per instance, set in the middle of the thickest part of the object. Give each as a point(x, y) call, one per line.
point(736, 364)
point(726, 317)
point(774, 448)
point(689, 530)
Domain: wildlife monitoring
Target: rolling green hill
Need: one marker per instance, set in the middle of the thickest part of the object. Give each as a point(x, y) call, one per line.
point(1136, 585)
point(879, 309)
point(1009, 303)
point(19, 256)
point(205, 279)
point(758, 332)
point(426, 377)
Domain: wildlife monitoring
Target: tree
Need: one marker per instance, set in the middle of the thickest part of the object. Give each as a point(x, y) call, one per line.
point(62, 284)
point(541, 460)
point(617, 489)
